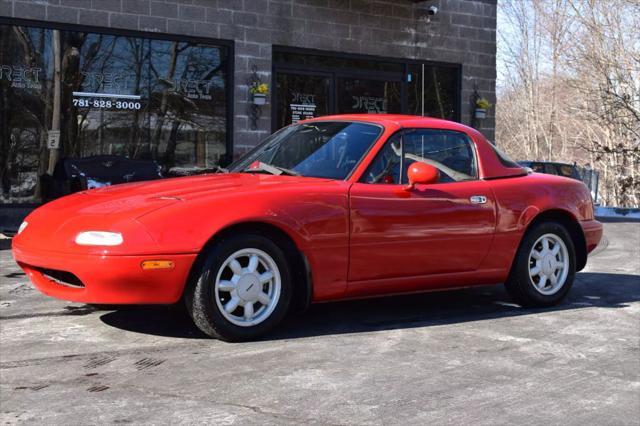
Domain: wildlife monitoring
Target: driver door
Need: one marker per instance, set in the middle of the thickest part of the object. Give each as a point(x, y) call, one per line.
point(441, 228)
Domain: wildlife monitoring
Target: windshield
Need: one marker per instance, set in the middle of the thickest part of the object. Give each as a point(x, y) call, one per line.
point(321, 149)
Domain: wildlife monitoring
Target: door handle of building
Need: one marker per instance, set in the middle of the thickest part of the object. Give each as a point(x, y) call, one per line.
point(478, 199)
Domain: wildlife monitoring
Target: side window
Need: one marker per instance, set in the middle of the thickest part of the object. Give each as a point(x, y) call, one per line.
point(385, 168)
point(450, 152)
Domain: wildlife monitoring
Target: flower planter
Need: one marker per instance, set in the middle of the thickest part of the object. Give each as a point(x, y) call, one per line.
point(259, 99)
point(481, 113)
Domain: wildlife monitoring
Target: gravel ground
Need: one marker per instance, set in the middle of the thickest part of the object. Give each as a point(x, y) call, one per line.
point(458, 357)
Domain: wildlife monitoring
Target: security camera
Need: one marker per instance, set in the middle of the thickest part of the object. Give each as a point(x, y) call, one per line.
point(432, 11)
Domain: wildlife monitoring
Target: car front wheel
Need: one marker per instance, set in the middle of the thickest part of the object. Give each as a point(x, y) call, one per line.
point(242, 288)
point(544, 268)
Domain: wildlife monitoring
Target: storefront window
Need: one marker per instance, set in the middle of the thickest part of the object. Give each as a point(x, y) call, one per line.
point(139, 98)
point(313, 84)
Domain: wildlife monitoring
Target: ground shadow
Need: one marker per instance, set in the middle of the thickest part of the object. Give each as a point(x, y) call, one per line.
point(422, 310)
point(166, 321)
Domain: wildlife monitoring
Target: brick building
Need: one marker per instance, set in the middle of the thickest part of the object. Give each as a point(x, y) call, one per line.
point(172, 80)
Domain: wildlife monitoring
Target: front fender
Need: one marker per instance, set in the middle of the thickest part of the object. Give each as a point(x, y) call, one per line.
point(315, 216)
point(309, 215)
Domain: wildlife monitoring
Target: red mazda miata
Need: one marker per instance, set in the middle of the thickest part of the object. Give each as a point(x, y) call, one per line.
point(332, 208)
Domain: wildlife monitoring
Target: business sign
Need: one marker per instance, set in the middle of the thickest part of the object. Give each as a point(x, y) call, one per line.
point(21, 77)
point(303, 106)
point(106, 101)
point(370, 104)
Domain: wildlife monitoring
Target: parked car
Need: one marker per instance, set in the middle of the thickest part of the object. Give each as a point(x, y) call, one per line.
point(585, 174)
point(77, 174)
point(553, 168)
point(332, 208)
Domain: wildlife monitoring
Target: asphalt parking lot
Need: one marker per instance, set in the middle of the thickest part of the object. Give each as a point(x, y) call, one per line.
point(459, 357)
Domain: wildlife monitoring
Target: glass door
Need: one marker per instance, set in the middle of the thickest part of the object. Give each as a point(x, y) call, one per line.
point(301, 95)
point(312, 84)
point(433, 91)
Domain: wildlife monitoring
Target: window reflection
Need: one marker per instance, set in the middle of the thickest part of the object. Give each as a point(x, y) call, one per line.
point(440, 95)
point(146, 99)
point(357, 95)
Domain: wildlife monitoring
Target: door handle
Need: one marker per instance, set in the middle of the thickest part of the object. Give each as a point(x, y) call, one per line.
point(478, 199)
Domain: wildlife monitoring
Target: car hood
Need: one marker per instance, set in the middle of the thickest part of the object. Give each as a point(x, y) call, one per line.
point(116, 208)
point(196, 186)
point(140, 198)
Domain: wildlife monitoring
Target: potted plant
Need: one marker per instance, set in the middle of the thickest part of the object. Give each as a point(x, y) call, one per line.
point(482, 105)
point(259, 92)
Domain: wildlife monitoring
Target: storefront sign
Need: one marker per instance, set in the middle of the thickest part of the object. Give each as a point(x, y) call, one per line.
point(108, 81)
point(118, 83)
point(370, 104)
point(21, 77)
point(302, 112)
point(303, 106)
point(53, 139)
point(106, 101)
point(193, 89)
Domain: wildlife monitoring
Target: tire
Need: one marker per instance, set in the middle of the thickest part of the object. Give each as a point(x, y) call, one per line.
point(526, 284)
point(240, 302)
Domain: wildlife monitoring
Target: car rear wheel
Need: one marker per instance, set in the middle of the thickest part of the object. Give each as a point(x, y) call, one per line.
point(241, 289)
point(544, 268)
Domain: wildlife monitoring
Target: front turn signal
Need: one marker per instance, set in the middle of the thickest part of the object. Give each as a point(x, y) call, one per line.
point(157, 264)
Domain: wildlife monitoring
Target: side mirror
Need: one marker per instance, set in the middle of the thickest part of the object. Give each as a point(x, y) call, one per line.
point(421, 173)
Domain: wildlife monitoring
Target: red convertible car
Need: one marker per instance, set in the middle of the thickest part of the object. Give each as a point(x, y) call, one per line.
point(339, 207)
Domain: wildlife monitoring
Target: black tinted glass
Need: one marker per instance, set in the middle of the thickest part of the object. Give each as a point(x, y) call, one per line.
point(314, 61)
point(440, 84)
point(152, 100)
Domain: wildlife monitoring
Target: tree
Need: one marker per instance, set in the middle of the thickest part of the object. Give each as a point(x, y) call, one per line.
point(569, 89)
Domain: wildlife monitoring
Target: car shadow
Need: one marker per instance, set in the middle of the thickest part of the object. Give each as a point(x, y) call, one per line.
point(5, 243)
point(590, 289)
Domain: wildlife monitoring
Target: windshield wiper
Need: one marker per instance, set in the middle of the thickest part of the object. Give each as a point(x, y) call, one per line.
point(270, 168)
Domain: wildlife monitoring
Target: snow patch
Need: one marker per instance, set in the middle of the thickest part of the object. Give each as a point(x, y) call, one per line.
point(629, 213)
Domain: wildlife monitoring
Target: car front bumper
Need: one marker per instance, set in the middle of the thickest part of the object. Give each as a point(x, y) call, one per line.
point(104, 279)
point(592, 233)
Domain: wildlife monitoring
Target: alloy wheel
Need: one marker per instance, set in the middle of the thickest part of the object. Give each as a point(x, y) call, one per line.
point(548, 264)
point(248, 287)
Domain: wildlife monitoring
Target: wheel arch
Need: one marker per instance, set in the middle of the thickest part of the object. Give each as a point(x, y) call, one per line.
point(571, 224)
point(301, 269)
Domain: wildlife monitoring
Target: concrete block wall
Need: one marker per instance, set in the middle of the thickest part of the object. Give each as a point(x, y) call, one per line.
point(463, 32)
